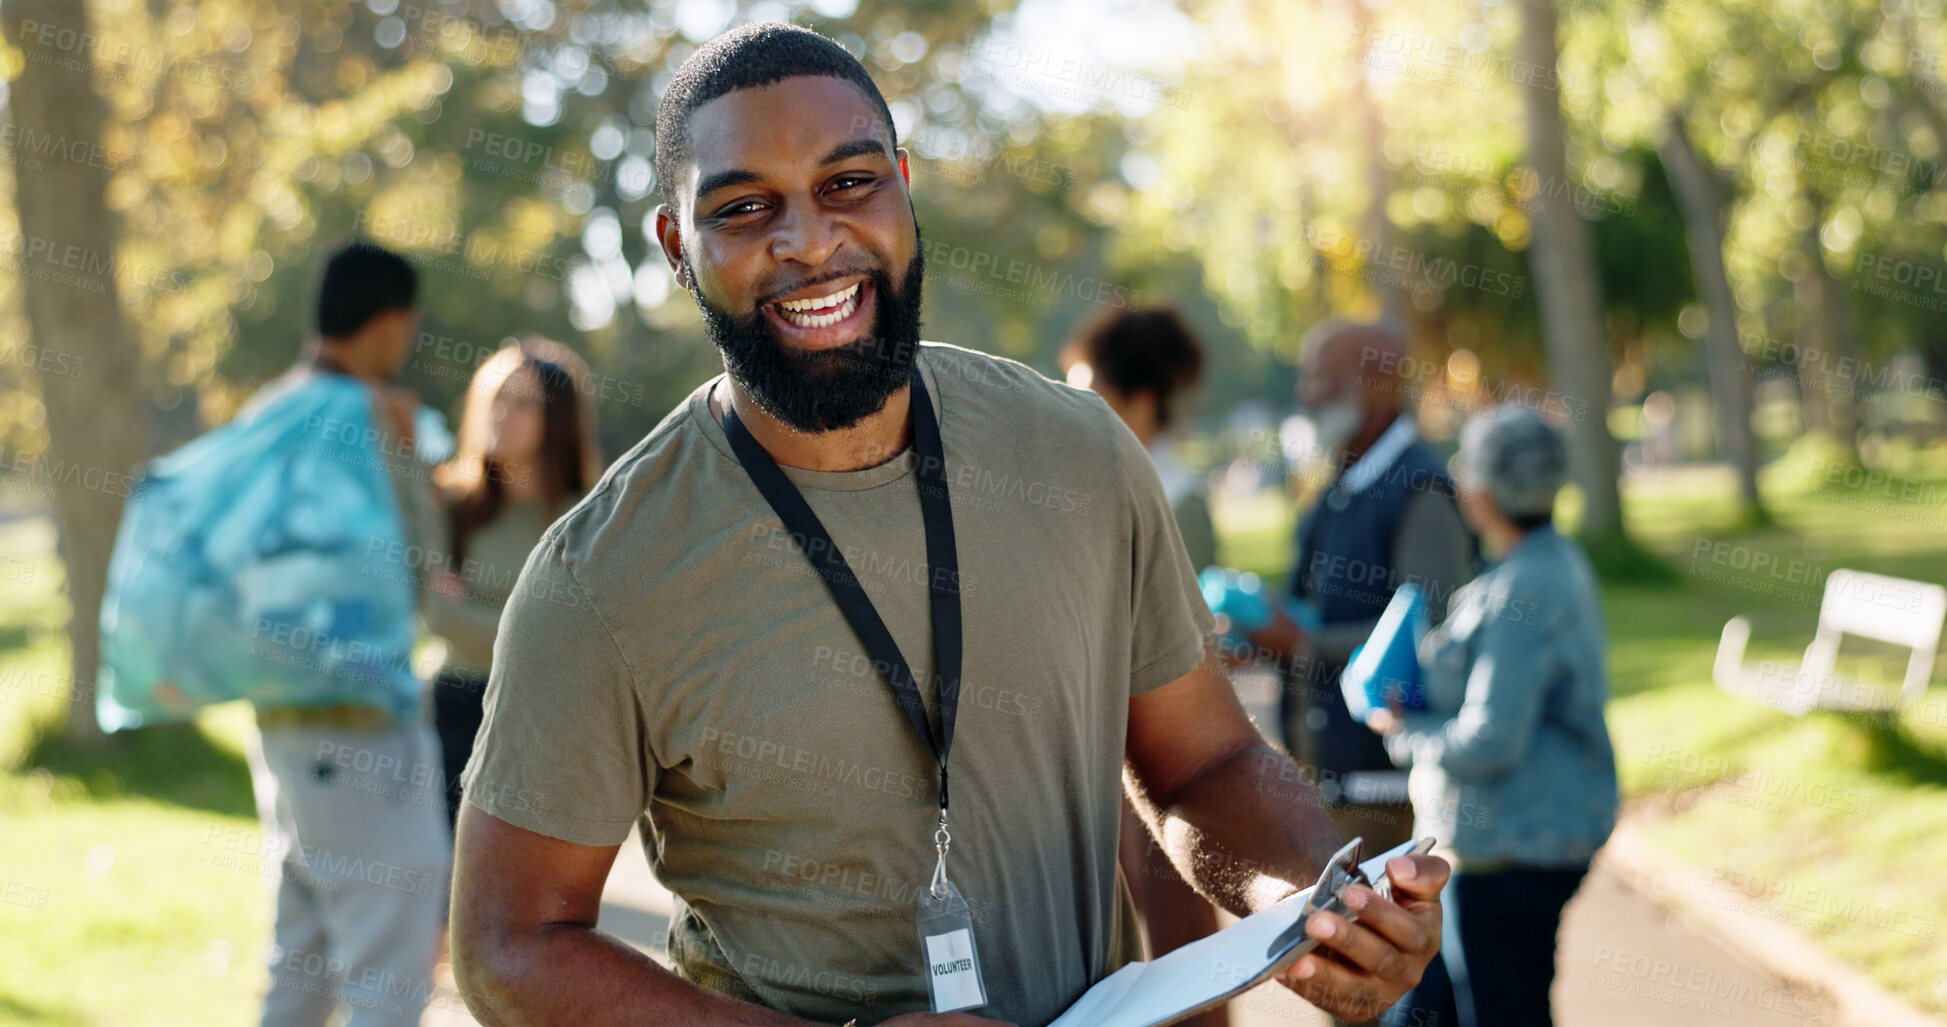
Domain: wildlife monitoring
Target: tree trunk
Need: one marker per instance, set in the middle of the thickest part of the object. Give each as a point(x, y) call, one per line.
point(1824, 342)
point(1379, 177)
point(1701, 199)
point(67, 266)
point(1566, 285)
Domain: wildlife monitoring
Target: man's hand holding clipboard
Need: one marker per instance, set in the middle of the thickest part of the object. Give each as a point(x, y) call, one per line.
point(1376, 935)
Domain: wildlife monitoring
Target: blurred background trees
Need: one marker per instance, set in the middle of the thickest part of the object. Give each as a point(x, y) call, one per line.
point(1692, 231)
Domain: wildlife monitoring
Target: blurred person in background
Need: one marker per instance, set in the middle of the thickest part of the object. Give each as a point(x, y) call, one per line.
point(358, 903)
point(1386, 518)
point(1512, 767)
point(527, 452)
point(1144, 363)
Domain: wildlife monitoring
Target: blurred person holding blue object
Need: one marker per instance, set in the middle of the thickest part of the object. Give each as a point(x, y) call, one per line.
point(1512, 766)
point(1387, 518)
point(527, 452)
point(349, 791)
point(1143, 363)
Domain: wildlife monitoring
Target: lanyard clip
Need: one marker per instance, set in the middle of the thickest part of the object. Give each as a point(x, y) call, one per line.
point(942, 841)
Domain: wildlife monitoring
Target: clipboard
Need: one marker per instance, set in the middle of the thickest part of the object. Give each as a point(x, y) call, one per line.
point(1210, 971)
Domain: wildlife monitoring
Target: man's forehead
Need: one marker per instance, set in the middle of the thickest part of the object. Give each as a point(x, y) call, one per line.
point(788, 125)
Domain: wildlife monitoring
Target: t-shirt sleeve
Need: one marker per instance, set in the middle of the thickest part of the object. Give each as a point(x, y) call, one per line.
point(562, 749)
point(1169, 620)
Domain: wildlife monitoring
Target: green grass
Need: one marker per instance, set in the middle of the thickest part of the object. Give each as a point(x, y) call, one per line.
point(1830, 823)
point(128, 895)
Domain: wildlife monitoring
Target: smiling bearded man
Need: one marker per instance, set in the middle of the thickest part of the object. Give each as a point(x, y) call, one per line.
point(821, 390)
point(850, 565)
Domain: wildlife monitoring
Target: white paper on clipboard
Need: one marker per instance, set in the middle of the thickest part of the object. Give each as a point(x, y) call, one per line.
point(1203, 973)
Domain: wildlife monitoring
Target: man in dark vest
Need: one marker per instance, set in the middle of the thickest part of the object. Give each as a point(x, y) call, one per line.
point(1386, 518)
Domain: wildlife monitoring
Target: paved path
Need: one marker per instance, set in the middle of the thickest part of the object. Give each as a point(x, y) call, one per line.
point(1623, 961)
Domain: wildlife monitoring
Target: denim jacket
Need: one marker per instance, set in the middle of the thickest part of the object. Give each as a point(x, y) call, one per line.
point(1511, 761)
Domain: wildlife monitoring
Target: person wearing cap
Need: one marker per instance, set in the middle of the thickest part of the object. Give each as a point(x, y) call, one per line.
point(1511, 763)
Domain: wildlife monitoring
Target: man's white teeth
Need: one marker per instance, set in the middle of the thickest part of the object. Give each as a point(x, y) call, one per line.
point(846, 301)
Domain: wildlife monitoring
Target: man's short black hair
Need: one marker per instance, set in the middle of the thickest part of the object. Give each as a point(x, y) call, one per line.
point(361, 282)
point(747, 57)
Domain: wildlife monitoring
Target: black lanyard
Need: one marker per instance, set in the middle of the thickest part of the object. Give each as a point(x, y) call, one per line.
point(942, 578)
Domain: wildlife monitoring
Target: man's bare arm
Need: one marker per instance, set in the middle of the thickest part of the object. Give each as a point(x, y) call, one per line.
point(1246, 830)
point(526, 951)
point(1235, 815)
point(525, 947)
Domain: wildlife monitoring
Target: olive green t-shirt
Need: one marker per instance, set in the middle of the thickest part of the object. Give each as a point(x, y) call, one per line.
point(670, 656)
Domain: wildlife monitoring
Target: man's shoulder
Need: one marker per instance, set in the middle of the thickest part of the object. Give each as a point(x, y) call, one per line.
point(1013, 393)
point(641, 501)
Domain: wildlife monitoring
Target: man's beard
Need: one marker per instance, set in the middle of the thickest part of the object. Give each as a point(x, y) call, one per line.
point(824, 390)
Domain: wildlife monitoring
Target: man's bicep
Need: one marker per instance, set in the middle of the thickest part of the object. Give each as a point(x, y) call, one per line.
point(507, 878)
point(1185, 728)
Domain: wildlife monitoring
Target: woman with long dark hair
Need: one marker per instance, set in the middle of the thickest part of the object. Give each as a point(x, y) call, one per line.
point(526, 453)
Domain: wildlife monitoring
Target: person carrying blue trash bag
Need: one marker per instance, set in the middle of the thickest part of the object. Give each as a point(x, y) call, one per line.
point(280, 559)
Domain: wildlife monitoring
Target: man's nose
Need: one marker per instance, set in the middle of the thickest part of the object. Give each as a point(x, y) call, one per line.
point(806, 236)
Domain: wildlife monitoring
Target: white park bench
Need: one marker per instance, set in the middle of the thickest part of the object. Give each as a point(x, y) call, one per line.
point(1895, 610)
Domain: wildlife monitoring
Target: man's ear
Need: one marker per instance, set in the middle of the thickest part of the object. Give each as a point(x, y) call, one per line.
point(669, 235)
point(904, 171)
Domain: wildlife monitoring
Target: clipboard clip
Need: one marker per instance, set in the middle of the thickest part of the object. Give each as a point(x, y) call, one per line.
point(1341, 872)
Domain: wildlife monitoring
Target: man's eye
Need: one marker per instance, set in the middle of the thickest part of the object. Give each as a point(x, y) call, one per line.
point(845, 182)
point(740, 207)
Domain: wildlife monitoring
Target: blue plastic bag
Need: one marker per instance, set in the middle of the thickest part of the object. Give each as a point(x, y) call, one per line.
point(1241, 597)
point(267, 561)
point(1386, 670)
